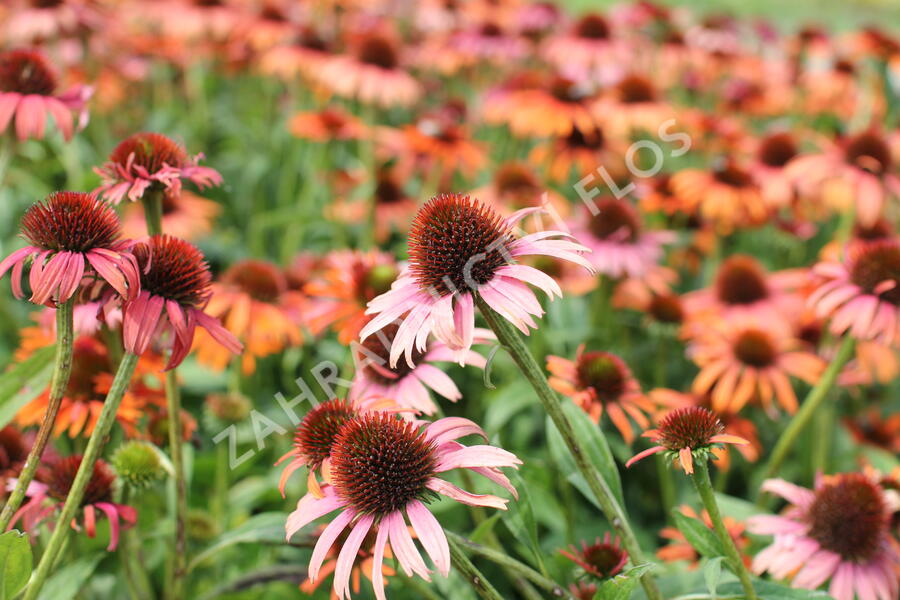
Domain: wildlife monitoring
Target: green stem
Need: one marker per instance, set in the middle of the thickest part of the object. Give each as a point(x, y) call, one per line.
point(510, 564)
point(179, 556)
point(85, 472)
point(135, 577)
point(535, 376)
point(700, 476)
point(58, 383)
point(152, 201)
point(809, 407)
point(666, 486)
point(462, 563)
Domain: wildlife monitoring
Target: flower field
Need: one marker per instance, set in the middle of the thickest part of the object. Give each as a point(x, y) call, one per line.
point(490, 300)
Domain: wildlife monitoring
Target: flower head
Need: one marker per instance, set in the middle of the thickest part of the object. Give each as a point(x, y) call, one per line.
point(685, 433)
point(151, 161)
point(459, 247)
point(861, 295)
point(382, 469)
point(838, 531)
point(138, 464)
point(175, 287)
point(28, 92)
point(72, 238)
point(602, 559)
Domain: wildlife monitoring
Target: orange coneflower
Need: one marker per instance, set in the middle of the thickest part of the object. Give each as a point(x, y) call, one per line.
point(330, 123)
point(679, 548)
point(439, 142)
point(727, 195)
point(634, 104)
point(516, 185)
point(350, 279)
point(874, 429)
point(589, 43)
point(652, 294)
point(560, 156)
point(185, 215)
point(745, 358)
point(251, 301)
point(773, 153)
point(600, 382)
point(306, 53)
point(371, 72)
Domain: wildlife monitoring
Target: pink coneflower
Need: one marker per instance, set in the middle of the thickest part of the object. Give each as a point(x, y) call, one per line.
point(151, 161)
point(72, 237)
point(175, 287)
point(27, 92)
point(861, 295)
point(603, 559)
point(619, 246)
point(859, 170)
point(684, 432)
point(383, 467)
point(407, 385)
point(838, 531)
point(459, 247)
point(98, 495)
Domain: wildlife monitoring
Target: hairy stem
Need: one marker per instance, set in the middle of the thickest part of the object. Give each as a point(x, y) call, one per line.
point(60, 379)
point(700, 477)
point(85, 472)
point(179, 543)
point(600, 488)
point(462, 563)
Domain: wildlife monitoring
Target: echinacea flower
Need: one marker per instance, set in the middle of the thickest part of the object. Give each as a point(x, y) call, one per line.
point(620, 247)
point(253, 302)
point(175, 287)
point(28, 93)
point(313, 441)
point(603, 559)
point(861, 295)
point(727, 195)
point(746, 359)
point(57, 481)
point(151, 161)
point(686, 433)
point(72, 237)
point(600, 382)
point(838, 531)
point(326, 125)
point(408, 385)
point(362, 564)
point(382, 469)
point(458, 247)
point(679, 548)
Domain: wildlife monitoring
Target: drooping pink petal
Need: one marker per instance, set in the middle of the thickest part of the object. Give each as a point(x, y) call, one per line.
point(8, 103)
point(792, 493)
point(348, 554)
point(106, 269)
point(437, 380)
point(289, 470)
point(62, 115)
point(452, 428)
point(476, 456)
point(112, 515)
point(326, 540)
point(429, 532)
point(378, 561)
point(31, 117)
point(218, 332)
point(460, 495)
point(309, 508)
point(643, 454)
point(403, 546)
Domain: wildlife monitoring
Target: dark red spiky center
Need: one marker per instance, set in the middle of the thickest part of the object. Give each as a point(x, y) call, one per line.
point(604, 373)
point(881, 229)
point(666, 308)
point(878, 263)
point(318, 431)
point(615, 219)
point(377, 350)
point(635, 89)
point(592, 27)
point(777, 149)
point(12, 450)
point(691, 427)
point(177, 270)
point(380, 463)
point(605, 560)
point(578, 141)
point(70, 221)
point(378, 50)
point(869, 151)
point(732, 175)
point(151, 151)
point(755, 348)
point(457, 243)
point(46, 3)
point(516, 179)
point(26, 72)
point(741, 280)
point(388, 189)
point(848, 517)
point(258, 279)
point(61, 476)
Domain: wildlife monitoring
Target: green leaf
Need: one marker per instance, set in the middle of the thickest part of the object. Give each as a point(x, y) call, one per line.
point(774, 591)
point(621, 586)
point(737, 508)
point(698, 535)
point(519, 518)
point(712, 573)
point(69, 580)
point(485, 528)
point(264, 527)
point(22, 383)
point(588, 435)
point(15, 563)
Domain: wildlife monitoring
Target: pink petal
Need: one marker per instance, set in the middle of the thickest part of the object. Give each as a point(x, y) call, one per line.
point(429, 532)
point(643, 454)
point(378, 560)
point(309, 508)
point(476, 456)
point(31, 117)
point(347, 557)
point(218, 332)
point(438, 381)
point(403, 547)
point(460, 495)
point(8, 103)
point(452, 428)
point(326, 540)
